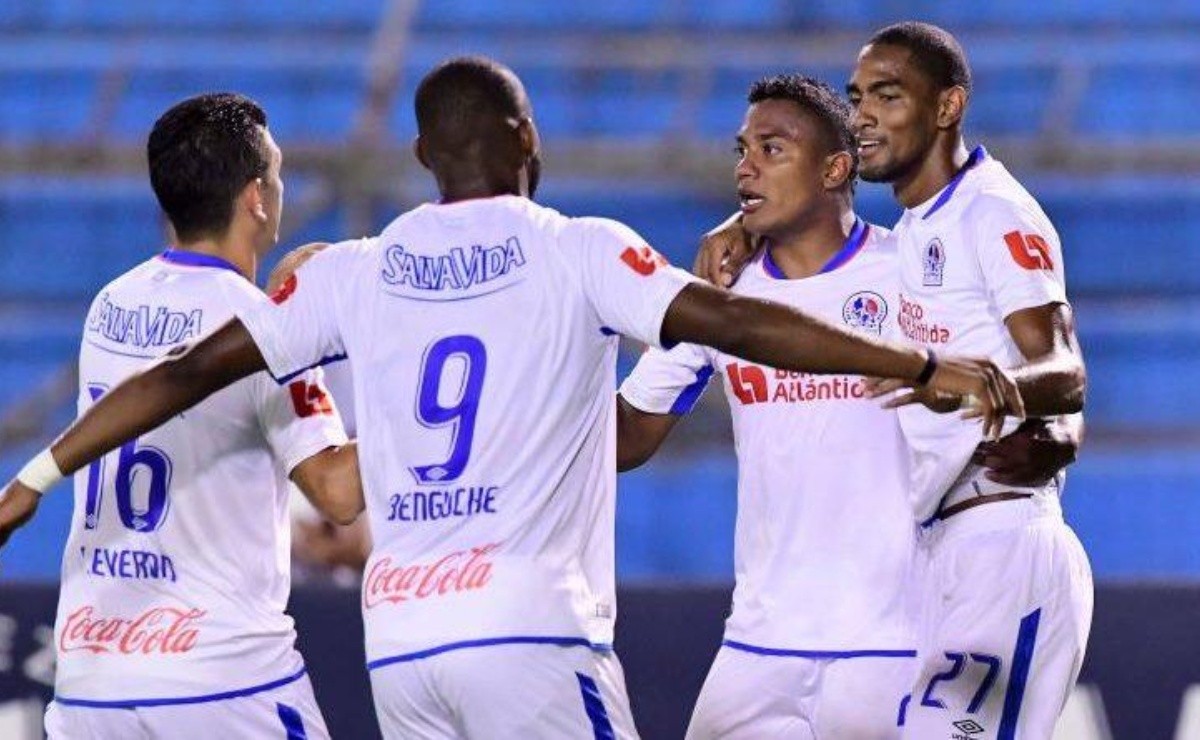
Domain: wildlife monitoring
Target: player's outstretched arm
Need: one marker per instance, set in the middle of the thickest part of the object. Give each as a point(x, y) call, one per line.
point(142, 402)
point(330, 480)
point(639, 434)
point(1053, 380)
point(781, 337)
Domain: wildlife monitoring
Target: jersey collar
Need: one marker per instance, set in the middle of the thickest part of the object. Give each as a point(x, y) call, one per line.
point(852, 246)
point(196, 259)
point(978, 154)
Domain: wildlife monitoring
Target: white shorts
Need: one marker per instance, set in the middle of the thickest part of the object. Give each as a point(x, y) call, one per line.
point(748, 696)
point(288, 712)
point(505, 692)
point(1007, 607)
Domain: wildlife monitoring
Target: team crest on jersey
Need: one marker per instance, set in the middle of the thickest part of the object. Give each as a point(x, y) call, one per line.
point(934, 263)
point(865, 310)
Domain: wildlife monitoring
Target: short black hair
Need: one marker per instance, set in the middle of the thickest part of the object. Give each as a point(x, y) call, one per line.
point(467, 99)
point(201, 153)
point(819, 100)
point(934, 49)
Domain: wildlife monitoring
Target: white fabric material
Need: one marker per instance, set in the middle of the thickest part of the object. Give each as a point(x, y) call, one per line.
point(254, 717)
point(960, 277)
point(824, 537)
point(532, 692)
point(176, 571)
point(481, 334)
point(976, 635)
point(750, 697)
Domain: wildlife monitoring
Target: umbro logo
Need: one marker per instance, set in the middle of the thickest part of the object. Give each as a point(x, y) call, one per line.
point(968, 727)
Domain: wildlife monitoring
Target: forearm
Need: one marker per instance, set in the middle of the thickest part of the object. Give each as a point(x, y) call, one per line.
point(781, 337)
point(149, 398)
point(1053, 387)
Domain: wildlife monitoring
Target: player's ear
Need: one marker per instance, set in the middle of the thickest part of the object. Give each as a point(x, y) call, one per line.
point(839, 167)
point(952, 105)
point(528, 136)
point(253, 199)
point(419, 152)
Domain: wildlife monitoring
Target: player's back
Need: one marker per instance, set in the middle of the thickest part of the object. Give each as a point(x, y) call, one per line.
point(175, 576)
point(483, 337)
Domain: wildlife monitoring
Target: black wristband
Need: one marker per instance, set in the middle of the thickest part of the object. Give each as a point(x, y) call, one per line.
point(930, 368)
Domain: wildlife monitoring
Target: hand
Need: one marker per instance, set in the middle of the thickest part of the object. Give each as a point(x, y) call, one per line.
point(991, 393)
point(934, 400)
point(292, 262)
point(17, 506)
point(1030, 456)
point(724, 252)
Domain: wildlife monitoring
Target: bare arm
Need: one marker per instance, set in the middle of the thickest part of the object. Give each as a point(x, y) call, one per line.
point(151, 397)
point(1053, 380)
point(331, 481)
point(779, 336)
point(639, 434)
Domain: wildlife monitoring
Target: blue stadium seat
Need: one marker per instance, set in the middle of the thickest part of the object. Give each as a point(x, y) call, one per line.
point(233, 15)
point(1138, 100)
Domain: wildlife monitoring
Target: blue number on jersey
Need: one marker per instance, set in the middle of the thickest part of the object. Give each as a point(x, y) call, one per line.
point(131, 460)
point(461, 414)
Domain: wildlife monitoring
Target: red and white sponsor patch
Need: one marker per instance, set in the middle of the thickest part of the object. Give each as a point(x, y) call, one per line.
point(463, 570)
point(1029, 250)
point(163, 630)
point(643, 260)
point(284, 292)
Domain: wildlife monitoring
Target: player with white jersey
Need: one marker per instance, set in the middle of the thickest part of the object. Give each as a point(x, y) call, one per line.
point(176, 574)
point(483, 335)
point(1008, 603)
point(821, 639)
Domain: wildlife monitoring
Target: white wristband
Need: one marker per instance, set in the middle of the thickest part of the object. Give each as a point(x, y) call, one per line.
point(40, 473)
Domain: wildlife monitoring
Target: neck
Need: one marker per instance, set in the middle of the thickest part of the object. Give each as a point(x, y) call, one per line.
point(934, 173)
point(469, 184)
point(804, 252)
point(239, 254)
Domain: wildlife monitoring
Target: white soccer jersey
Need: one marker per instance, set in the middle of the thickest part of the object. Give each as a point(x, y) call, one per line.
point(978, 251)
point(483, 338)
point(176, 572)
point(824, 537)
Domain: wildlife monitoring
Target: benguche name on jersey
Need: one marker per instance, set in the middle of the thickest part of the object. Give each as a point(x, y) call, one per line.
point(143, 325)
point(137, 565)
point(458, 269)
point(428, 506)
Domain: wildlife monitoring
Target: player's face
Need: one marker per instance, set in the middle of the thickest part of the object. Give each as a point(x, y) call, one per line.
point(272, 188)
point(895, 113)
point(780, 167)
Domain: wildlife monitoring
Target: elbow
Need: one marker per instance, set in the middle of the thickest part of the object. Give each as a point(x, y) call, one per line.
point(340, 509)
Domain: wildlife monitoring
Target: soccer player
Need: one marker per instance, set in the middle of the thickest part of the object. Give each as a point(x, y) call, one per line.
point(981, 273)
point(175, 577)
point(1008, 605)
point(821, 640)
point(483, 334)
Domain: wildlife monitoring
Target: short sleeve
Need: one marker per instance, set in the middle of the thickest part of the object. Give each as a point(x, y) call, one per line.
point(669, 381)
point(298, 419)
point(298, 328)
point(1020, 256)
point(628, 284)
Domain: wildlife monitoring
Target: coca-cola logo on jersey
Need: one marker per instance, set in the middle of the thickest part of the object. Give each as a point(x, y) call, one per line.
point(463, 570)
point(163, 630)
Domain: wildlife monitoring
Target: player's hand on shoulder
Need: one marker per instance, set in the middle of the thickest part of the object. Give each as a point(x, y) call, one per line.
point(724, 252)
point(291, 262)
point(988, 392)
point(17, 506)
